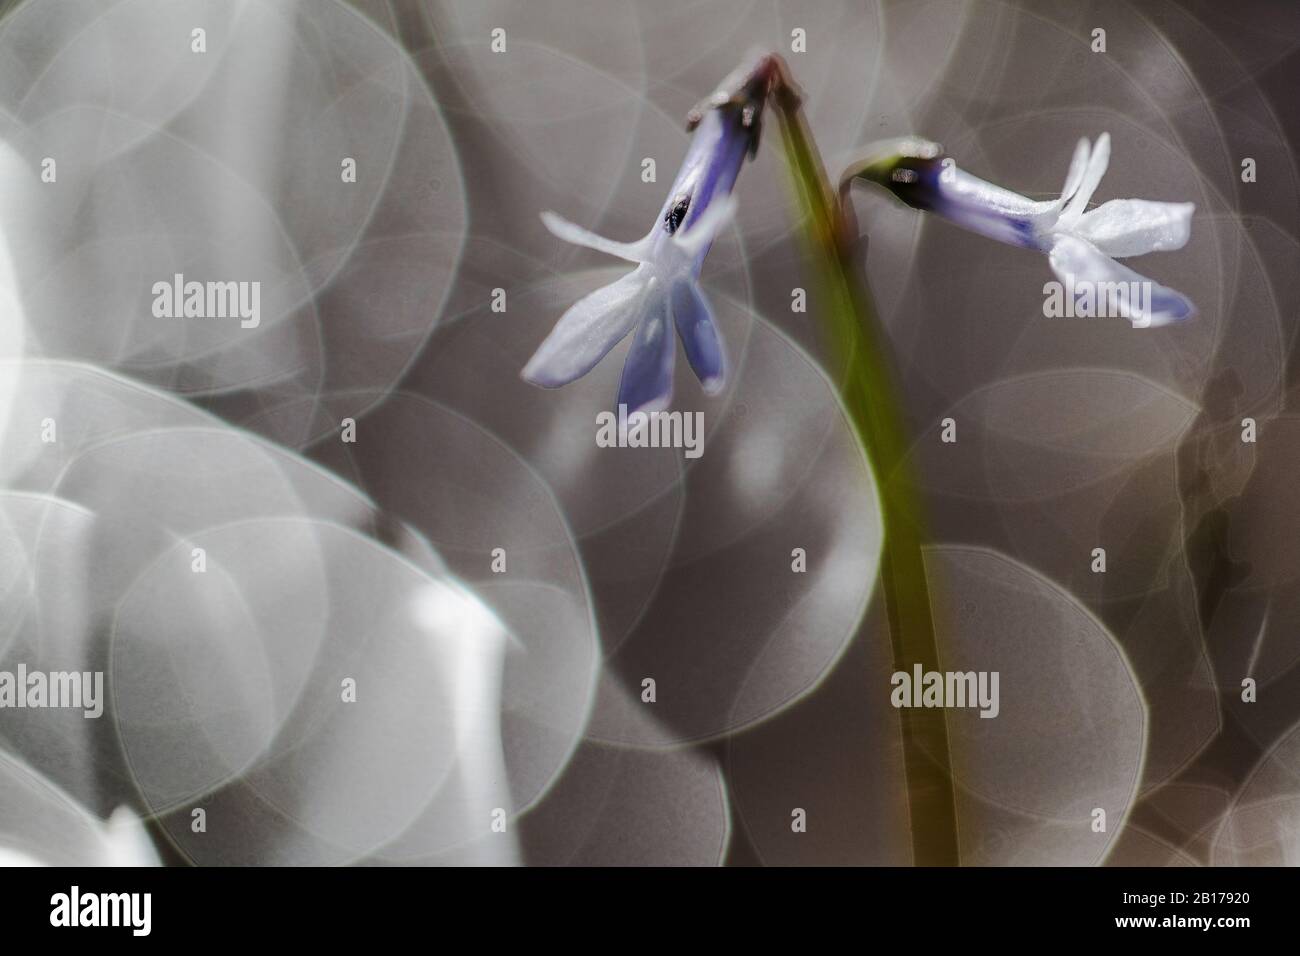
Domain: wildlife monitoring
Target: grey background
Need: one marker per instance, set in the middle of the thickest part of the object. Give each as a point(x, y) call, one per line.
point(1119, 691)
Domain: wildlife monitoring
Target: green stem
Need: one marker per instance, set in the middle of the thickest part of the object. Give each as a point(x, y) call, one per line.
point(867, 386)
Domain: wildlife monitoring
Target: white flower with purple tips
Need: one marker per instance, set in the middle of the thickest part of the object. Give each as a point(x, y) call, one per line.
point(1081, 244)
point(663, 291)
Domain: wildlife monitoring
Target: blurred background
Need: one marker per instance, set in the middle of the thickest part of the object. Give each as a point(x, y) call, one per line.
point(497, 715)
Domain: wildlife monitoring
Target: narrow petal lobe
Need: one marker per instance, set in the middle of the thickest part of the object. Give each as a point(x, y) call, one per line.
point(699, 335)
point(1098, 161)
point(1078, 166)
point(587, 331)
point(561, 228)
point(1145, 303)
point(647, 382)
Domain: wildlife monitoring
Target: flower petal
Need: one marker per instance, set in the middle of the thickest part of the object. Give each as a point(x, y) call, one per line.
point(699, 335)
point(1078, 166)
point(992, 211)
point(1080, 263)
point(697, 239)
point(1007, 216)
point(592, 326)
point(561, 228)
point(1134, 227)
point(647, 382)
point(1096, 168)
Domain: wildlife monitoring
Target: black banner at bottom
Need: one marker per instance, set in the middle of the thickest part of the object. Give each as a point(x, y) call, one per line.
point(368, 905)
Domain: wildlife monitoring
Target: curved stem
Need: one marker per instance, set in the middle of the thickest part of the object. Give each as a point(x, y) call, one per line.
point(867, 386)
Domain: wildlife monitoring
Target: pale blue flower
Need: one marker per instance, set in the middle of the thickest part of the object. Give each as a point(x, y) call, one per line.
point(663, 290)
point(1081, 245)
